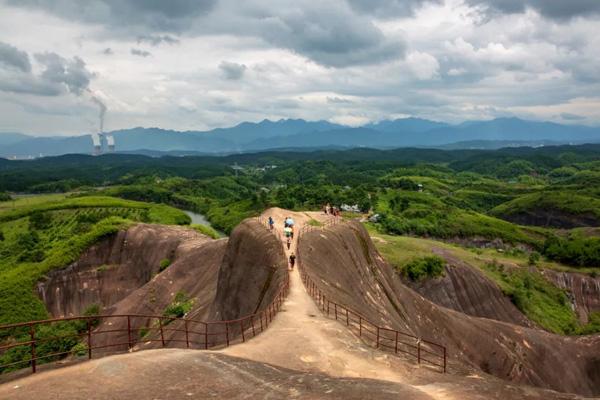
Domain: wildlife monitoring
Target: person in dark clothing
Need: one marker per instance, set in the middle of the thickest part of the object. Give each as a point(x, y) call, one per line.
point(292, 260)
point(289, 242)
point(271, 223)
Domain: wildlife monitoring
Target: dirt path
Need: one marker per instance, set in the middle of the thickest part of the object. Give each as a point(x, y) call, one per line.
point(301, 338)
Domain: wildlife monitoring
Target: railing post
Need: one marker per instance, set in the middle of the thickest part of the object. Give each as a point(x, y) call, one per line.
point(347, 318)
point(252, 323)
point(89, 335)
point(227, 332)
point(328, 308)
point(187, 335)
point(205, 336)
point(445, 359)
point(377, 337)
point(396, 347)
point(418, 351)
point(335, 309)
point(242, 328)
point(162, 336)
point(32, 338)
point(324, 299)
point(261, 324)
point(129, 332)
point(360, 326)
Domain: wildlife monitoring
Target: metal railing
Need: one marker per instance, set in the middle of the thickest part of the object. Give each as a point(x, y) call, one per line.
point(110, 334)
point(383, 338)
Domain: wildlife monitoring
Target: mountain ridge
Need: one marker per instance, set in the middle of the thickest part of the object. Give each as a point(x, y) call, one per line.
point(299, 133)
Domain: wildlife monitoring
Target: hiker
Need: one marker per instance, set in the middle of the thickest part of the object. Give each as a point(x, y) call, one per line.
point(285, 222)
point(289, 221)
point(292, 260)
point(292, 231)
point(271, 223)
point(289, 242)
point(327, 209)
point(287, 231)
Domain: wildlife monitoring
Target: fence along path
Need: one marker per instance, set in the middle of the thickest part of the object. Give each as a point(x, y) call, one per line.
point(303, 338)
point(163, 330)
point(380, 337)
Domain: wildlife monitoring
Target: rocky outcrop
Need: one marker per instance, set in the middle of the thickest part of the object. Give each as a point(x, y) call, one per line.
point(253, 269)
point(583, 291)
point(466, 289)
point(114, 268)
point(347, 267)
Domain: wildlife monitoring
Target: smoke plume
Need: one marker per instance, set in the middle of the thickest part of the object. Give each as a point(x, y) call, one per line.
point(102, 109)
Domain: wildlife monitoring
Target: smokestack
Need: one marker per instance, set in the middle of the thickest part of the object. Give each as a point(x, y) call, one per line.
point(97, 143)
point(110, 140)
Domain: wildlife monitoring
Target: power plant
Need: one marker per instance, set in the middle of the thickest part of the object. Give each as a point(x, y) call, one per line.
point(99, 138)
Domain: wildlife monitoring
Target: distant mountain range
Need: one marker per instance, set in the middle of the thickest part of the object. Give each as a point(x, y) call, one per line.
point(300, 134)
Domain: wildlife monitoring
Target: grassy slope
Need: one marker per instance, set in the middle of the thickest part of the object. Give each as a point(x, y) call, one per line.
point(567, 202)
point(537, 298)
point(74, 224)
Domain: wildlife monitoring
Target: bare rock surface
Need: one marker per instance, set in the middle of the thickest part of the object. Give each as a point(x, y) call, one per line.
point(583, 290)
point(349, 269)
point(466, 289)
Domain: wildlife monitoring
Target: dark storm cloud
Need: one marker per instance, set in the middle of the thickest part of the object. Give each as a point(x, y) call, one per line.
point(140, 53)
point(12, 57)
point(126, 15)
point(389, 8)
point(59, 75)
point(155, 40)
point(555, 9)
point(73, 73)
point(232, 71)
point(330, 34)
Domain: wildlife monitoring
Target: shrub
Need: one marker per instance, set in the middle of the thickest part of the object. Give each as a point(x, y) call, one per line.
point(180, 306)
point(164, 264)
point(534, 258)
point(424, 267)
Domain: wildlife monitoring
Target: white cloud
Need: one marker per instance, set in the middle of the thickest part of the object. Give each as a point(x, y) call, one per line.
point(220, 63)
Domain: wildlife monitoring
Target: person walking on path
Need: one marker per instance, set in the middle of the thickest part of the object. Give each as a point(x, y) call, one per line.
point(292, 260)
point(289, 242)
point(271, 223)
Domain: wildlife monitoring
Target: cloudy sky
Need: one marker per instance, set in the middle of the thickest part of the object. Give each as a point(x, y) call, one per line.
point(199, 64)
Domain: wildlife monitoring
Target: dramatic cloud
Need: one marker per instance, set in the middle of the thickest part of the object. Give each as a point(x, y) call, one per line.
point(155, 40)
point(140, 53)
point(10, 56)
point(390, 8)
point(556, 9)
point(216, 63)
point(58, 76)
point(232, 71)
point(73, 74)
point(126, 15)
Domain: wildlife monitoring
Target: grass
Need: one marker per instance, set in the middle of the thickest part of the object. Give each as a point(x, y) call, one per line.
point(536, 297)
point(314, 222)
point(422, 268)
point(206, 230)
point(44, 235)
point(562, 201)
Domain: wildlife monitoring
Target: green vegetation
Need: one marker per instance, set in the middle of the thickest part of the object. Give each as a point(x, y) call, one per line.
point(44, 235)
point(164, 264)
point(180, 306)
point(314, 222)
point(424, 268)
point(206, 230)
point(537, 298)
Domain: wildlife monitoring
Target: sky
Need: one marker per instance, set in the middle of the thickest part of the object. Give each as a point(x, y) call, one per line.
point(201, 64)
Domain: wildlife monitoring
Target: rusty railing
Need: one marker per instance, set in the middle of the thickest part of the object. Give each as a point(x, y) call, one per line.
point(30, 344)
